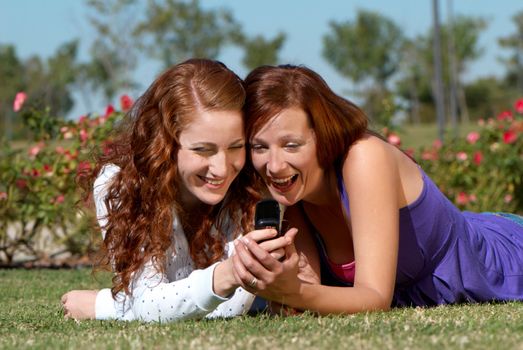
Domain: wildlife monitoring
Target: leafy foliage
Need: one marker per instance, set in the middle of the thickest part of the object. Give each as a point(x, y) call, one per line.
point(483, 171)
point(39, 215)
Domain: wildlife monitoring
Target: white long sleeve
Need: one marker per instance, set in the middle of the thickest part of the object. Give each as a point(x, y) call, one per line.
point(181, 293)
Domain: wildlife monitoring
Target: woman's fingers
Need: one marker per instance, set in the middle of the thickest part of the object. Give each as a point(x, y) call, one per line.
point(242, 273)
point(280, 242)
point(262, 235)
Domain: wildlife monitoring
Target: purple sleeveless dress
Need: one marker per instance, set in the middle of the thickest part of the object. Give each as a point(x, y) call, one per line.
point(447, 256)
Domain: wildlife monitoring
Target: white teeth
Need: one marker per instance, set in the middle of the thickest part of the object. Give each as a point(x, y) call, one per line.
point(282, 181)
point(213, 182)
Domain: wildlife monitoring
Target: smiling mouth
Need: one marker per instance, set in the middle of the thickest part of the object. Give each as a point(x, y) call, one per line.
point(283, 184)
point(213, 182)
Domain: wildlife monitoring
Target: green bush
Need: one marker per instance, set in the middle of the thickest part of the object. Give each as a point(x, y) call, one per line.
point(40, 215)
point(482, 171)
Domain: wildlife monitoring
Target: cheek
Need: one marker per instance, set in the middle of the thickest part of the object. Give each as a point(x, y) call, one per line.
point(239, 162)
point(258, 161)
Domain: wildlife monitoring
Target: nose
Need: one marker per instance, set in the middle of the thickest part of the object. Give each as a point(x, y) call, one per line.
point(275, 162)
point(218, 164)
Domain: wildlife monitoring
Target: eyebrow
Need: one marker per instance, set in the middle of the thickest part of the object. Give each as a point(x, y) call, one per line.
point(285, 138)
point(210, 144)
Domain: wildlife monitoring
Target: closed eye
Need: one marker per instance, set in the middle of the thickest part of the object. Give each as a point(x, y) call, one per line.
point(258, 147)
point(202, 150)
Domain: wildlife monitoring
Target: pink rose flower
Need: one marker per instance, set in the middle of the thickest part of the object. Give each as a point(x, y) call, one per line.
point(59, 199)
point(33, 151)
point(462, 156)
point(3, 196)
point(394, 139)
point(473, 137)
point(83, 135)
point(508, 198)
point(462, 198)
point(19, 101)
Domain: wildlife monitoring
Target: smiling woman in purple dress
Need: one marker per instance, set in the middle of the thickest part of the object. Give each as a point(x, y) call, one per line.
point(369, 218)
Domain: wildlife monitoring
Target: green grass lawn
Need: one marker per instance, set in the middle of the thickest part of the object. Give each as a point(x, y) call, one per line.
point(31, 317)
point(423, 135)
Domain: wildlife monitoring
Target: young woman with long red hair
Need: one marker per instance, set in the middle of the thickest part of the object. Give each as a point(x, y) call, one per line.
point(170, 198)
point(369, 218)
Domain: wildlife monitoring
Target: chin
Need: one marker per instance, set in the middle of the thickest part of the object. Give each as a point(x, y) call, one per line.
point(283, 199)
point(211, 199)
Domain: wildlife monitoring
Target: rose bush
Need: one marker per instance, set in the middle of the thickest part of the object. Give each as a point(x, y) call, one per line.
point(40, 216)
point(39, 212)
point(482, 171)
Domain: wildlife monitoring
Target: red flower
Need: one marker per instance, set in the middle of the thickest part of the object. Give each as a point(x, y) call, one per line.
point(19, 101)
point(509, 137)
point(437, 144)
point(108, 111)
point(478, 157)
point(21, 183)
point(506, 115)
point(82, 119)
point(83, 166)
point(3, 195)
point(126, 102)
point(518, 106)
point(462, 198)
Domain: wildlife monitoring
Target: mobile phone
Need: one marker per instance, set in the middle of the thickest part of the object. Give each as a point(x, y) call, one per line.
point(267, 215)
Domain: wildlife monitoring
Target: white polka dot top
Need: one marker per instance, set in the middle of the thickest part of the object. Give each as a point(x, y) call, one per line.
point(182, 292)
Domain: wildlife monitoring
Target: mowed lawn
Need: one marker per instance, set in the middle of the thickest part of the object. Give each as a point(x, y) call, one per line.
point(423, 135)
point(31, 317)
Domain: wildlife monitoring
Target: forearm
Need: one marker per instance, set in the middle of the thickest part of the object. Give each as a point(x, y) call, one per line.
point(155, 299)
point(336, 300)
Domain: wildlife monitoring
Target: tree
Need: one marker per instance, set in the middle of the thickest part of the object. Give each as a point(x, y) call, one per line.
point(115, 51)
point(176, 30)
point(260, 51)
point(514, 63)
point(367, 50)
point(47, 83)
point(465, 31)
point(11, 71)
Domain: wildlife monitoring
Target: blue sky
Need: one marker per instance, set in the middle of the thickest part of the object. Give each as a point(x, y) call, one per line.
point(40, 26)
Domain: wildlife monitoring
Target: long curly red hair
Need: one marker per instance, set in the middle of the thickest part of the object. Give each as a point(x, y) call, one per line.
point(142, 196)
